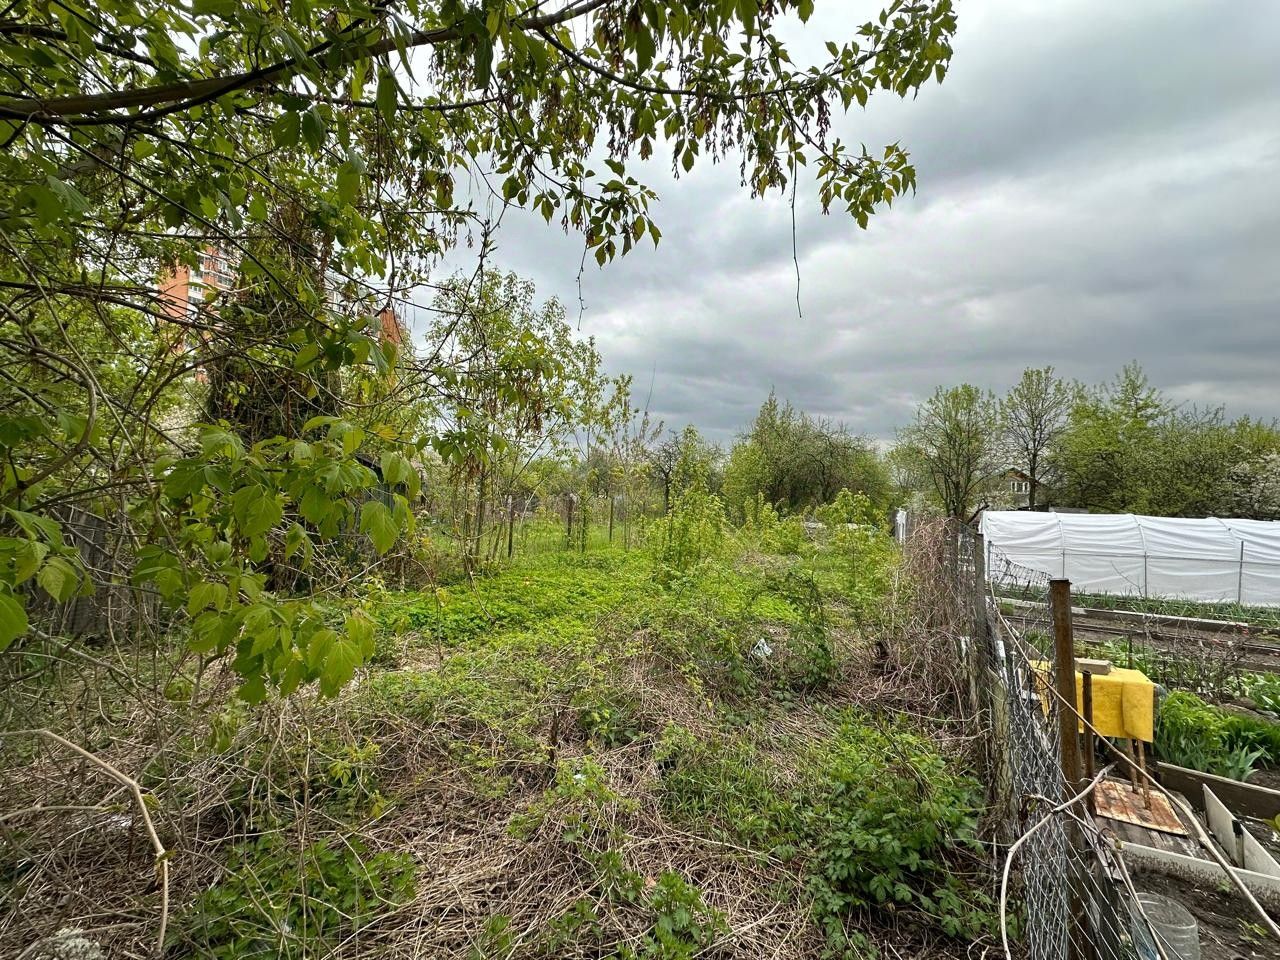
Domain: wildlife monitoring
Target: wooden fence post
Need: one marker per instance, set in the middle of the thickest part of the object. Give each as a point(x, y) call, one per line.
point(980, 631)
point(1086, 710)
point(511, 525)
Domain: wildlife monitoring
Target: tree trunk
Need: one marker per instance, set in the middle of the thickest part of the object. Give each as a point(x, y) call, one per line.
point(480, 511)
point(511, 525)
point(1031, 487)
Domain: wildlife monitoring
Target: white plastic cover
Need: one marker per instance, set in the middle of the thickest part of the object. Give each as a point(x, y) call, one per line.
point(1173, 557)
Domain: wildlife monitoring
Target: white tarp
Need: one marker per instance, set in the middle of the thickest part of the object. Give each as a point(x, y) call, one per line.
point(1174, 557)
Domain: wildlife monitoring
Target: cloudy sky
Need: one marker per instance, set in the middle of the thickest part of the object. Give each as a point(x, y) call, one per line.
point(1099, 181)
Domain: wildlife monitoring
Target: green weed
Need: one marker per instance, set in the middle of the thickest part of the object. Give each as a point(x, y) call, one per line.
point(278, 901)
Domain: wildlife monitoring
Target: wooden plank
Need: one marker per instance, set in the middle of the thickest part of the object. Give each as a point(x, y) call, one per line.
point(1118, 801)
point(1195, 870)
point(1245, 799)
point(1255, 856)
point(1224, 826)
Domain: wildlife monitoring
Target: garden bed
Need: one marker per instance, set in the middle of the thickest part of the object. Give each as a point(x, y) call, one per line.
point(1228, 927)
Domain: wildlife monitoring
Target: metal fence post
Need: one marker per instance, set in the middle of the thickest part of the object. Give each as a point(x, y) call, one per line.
point(1240, 578)
point(1065, 680)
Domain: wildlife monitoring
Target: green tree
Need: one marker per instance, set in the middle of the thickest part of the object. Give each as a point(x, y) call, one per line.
point(798, 462)
point(519, 386)
point(1108, 453)
point(137, 134)
point(955, 443)
point(1032, 416)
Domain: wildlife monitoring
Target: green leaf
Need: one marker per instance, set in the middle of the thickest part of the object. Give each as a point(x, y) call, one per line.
point(13, 619)
point(285, 130)
point(361, 632)
point(340, 663)
point(256, 510)
point(305, 357)
point(292, 677)
point(377, 522)
point(205, 595)
point(27, 557)
point(396, 468)
point(315, 505)
point(313, 128)
point(388, 95)
point(349, 178)
point(59, 579)
point(253, 690)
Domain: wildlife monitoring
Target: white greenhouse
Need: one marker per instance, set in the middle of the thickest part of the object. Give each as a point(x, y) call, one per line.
point(1169, 557)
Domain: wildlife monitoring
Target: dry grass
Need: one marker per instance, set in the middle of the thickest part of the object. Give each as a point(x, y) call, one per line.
point(455, 790)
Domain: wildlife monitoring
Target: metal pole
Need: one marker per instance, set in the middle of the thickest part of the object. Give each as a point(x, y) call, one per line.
point(1086, 704)
point(1065, 681)
point(1240, 578)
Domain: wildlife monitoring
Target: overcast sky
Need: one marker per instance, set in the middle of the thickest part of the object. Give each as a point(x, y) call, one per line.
point(1099, 181)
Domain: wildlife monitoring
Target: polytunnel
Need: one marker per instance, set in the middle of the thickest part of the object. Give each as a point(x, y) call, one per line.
point(1208, 559)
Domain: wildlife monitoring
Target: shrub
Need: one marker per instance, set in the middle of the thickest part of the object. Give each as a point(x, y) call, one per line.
point(692, 531)
point(885, 817)
point(877, 818)
point(849, 508)
point(811, 661)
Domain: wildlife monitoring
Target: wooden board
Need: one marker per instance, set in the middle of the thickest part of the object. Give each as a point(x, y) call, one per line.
point(1118, 801)
point(1244, 799)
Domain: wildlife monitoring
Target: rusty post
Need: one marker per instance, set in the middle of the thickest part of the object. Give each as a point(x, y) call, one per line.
point(1065, 681)
point(1086, 691)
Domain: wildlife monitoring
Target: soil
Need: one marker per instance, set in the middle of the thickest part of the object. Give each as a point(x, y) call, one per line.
point(1265, 778)
point(1228, 926)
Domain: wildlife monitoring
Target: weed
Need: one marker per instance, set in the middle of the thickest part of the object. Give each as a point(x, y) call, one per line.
point(495, 941)
point(885, 815)
point(878, 814)
point(683, 924)
point(278, 901)
point(693, 531)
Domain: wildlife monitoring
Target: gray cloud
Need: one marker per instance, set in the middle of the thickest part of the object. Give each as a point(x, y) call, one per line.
point(1098, 182)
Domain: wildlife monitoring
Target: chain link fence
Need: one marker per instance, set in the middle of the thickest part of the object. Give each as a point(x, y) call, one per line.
point(1065, 891)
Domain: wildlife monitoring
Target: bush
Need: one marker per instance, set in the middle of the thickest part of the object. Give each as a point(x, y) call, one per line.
point(885, 816)
point(692, 531)
point(875, 815)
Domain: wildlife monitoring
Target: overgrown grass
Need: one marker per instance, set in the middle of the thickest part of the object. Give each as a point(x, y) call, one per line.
point(1268, 617)
point(625, 754)
point(538, 666)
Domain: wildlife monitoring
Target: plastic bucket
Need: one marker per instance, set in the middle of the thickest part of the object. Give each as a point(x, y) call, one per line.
point(1175, 926)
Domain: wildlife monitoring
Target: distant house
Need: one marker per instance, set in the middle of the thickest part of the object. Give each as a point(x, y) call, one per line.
point(1015, 488)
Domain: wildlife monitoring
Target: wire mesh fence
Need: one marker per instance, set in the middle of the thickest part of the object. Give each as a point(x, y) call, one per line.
point(1064, 889)
point(1178, 649)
